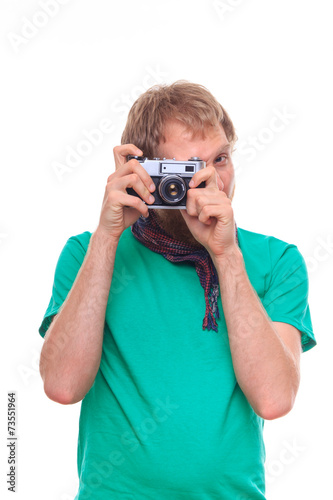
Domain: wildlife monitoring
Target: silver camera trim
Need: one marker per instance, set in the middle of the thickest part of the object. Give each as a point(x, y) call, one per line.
point(158, 167)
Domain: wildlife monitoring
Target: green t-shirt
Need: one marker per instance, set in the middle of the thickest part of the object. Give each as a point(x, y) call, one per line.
point(165, 418)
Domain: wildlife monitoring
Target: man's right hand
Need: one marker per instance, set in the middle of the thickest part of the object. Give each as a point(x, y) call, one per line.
point(120, 209)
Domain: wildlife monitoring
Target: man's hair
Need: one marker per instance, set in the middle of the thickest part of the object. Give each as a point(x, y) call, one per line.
point(190, 103)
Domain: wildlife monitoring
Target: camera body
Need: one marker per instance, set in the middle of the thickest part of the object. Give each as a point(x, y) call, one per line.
point(171, 179)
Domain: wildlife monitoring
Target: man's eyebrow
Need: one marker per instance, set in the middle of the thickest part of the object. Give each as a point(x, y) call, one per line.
point(222, 149)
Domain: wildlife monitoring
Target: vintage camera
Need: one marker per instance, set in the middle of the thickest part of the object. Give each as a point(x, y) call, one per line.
point(171, 179)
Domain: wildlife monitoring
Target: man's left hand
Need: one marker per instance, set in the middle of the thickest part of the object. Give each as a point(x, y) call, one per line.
point(209, 214)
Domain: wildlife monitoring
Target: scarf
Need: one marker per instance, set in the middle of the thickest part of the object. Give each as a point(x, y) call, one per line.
point(148, 231)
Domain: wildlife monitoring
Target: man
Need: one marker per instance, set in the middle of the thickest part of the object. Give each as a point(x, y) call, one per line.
point(179, 331)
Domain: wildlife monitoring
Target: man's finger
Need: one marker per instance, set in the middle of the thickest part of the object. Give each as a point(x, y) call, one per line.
point(219, 182)
point(120, 153)
point(209, 176)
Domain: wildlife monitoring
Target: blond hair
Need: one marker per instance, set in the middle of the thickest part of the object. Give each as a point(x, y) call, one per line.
point(190, 103)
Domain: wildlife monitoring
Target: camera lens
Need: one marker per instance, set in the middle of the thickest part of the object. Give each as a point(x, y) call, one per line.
point(172, 189)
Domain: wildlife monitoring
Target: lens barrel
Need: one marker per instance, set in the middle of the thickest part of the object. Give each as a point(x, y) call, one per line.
point(172, 189)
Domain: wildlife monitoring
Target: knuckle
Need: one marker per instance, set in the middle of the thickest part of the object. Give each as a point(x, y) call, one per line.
point(139, 204)
point(108, 187)
point(110, 198)
point(110, 178)
point(190, 209)
point(191, 193)
point(211, 170)
point(200, 200)
point(229, 211)
point(134, 178)
point(133, 163)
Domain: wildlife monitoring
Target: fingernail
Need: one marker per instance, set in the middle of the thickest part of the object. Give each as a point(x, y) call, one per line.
point(152, 187)
point(151, 199)
point(191, 184)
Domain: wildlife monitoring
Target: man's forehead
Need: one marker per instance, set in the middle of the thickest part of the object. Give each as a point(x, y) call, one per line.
point(211, 140)
point(176, 128)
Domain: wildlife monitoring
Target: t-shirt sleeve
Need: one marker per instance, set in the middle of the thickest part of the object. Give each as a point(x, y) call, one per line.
point(67, 268)
point(286, 298)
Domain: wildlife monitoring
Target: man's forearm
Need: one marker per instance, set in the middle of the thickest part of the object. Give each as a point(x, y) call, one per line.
point(265, 369)
point(72, 348)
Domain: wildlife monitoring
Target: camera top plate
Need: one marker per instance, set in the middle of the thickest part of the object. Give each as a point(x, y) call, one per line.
point(144, 158)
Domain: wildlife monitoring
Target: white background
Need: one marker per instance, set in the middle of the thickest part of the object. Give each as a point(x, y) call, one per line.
point(89, 62)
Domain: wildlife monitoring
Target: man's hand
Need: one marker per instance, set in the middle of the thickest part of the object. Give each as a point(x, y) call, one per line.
point(209, 215)
point(120, 209)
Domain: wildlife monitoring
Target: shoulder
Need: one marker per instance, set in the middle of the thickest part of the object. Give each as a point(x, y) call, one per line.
point(80, 240)
point(278, 271)
point(268, 258)
point(266, 246)
point(74, 249)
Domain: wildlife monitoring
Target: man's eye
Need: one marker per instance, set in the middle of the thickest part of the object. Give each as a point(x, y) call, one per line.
point(222, 159)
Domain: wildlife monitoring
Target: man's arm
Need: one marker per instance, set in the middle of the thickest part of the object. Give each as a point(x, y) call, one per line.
point(266, 364)
point(72, 348)
point(266, 355)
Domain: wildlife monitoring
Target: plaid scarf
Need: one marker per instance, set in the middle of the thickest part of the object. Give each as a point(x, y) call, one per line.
point(152, 235)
